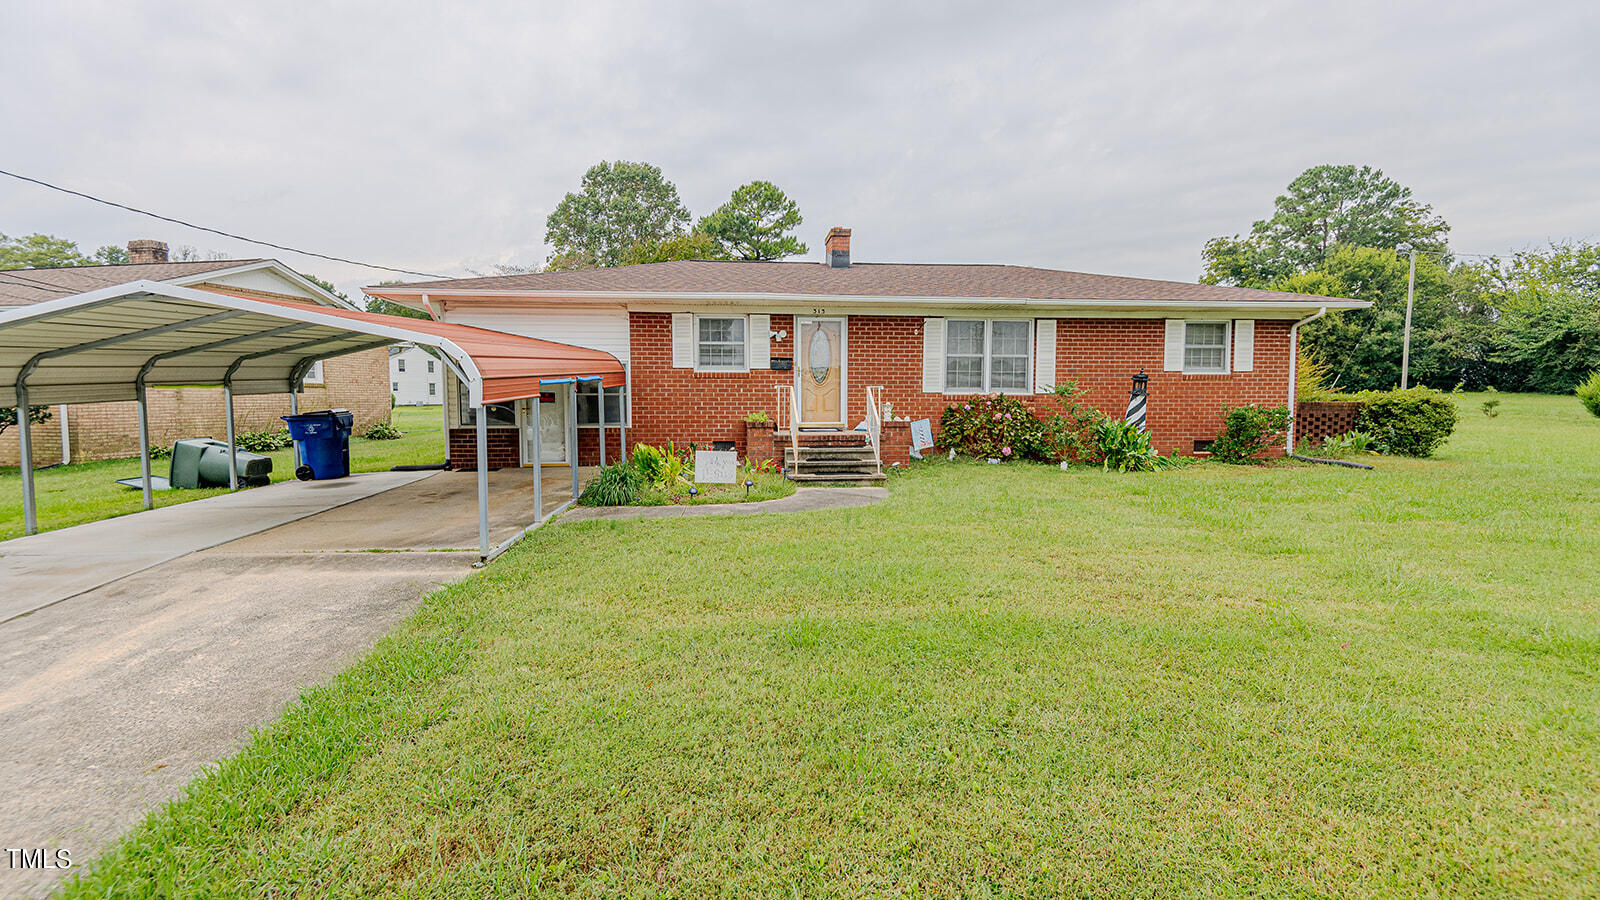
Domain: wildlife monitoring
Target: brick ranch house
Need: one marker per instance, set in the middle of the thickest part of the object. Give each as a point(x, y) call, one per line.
point(88, 431)
point(706, 343)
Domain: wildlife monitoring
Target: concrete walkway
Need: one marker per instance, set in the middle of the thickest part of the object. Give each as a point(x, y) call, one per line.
point(803, 499)
point(154, 661)
point(46, 568)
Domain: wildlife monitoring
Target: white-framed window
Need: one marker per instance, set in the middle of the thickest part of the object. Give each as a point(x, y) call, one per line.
point(1205, 347)
point(430, 367)
point(501, 415)
point(987, 355)
point(313, 374)
point(433, 389)
point(719, 344)
point(394, 385)
point(400, 364)
point(616, 407)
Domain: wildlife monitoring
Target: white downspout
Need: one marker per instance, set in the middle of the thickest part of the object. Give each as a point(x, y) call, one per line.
point(66, 438)
point(1294, 375)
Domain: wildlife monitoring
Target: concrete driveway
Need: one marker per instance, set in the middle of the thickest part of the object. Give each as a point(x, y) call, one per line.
point(124, 686)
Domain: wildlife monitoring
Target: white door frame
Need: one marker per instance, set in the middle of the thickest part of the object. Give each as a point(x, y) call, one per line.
point(844, 368)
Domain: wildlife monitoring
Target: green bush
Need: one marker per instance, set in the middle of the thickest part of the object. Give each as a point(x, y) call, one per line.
point(1123, 447)
point(993, 426)
point(1589, 392)
point(618, 484)
point(160, 451)
point(1248, 430)
point(382, 431)
point(1071, 434)
point(1412, 422)
point(263, 441)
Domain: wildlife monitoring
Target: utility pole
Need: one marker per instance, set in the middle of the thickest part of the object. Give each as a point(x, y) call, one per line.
point(1411, 290)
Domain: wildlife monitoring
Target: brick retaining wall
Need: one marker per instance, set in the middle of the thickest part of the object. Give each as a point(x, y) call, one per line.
point(1317, 420)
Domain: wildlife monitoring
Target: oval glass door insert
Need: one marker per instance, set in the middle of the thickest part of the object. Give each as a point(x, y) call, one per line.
point(820, 354)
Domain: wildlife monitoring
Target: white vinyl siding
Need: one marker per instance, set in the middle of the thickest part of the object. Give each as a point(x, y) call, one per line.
point(1205, 347)
point(1244, 345)
point(719, 344)
point(987, 355)
point(1044, 356)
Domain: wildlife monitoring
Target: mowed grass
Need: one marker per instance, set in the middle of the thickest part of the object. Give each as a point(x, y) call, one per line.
point(86, 492)
point(1003, 681)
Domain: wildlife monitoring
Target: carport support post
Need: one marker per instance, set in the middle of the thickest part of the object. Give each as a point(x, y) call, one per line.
point(143, 408)
point(483, 478)
point(600, 401)
point(538, 464)
point(30, 515)
point(294, 410)
point(572, 435)
point(233, 453)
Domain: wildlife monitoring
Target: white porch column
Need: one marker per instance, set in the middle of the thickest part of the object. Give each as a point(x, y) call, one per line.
point(30, 515)
point(625, 404)
point(483, 479)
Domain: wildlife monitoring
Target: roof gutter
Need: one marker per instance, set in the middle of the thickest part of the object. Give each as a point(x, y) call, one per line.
point(1294, 374)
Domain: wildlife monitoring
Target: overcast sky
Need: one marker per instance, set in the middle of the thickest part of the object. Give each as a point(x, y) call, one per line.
point(1092, 136)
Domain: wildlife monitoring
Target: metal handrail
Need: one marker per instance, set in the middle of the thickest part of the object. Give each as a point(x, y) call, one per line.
point(875, 424)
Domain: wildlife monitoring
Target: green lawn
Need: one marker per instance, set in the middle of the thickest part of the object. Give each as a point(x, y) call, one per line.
point(72, 495)
point(1003, 681)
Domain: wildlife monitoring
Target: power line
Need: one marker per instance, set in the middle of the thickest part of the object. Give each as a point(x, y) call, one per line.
point(145, 212)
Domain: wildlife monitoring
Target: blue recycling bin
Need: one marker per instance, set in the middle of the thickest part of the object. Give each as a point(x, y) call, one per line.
point(323, 440)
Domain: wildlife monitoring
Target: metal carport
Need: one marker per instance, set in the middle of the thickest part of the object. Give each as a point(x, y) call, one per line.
point(112, 344)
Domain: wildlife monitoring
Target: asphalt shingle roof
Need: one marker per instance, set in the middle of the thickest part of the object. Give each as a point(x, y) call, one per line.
point(24, 287)
point(860, 279)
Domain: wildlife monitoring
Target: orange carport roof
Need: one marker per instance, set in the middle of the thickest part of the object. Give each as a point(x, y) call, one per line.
point(512, 366)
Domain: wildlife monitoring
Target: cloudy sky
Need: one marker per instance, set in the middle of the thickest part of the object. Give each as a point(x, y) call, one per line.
point(1102, 137)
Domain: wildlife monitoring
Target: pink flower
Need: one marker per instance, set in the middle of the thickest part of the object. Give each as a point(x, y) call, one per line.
point(967, 406)
point(1005, 451)
point(1008, 415)
point(997, 417)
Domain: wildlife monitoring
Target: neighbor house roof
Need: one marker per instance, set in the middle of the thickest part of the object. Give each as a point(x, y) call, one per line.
point(859, 280)
point(23, 287)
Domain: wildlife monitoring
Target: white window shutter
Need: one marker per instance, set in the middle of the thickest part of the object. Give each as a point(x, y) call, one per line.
point(758, 332)
point(682, 341)
point(933, 356)
point(1244, 345)
point(1172, 360)
point(1044, 355)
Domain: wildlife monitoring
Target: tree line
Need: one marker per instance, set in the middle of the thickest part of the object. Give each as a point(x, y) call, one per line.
point(1526, 321)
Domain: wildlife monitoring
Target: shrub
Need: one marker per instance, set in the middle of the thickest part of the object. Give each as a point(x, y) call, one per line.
point(160, 451)
point(1124, 447)
point(1311, 377)
point(263, 441)
point(1345, 444)
point(1070, 434)
point(662, 467)
point(993, 426)
point(759, 417)
point(1589, 393)
point(1248, 430)
point(1412, 422)
point(381, 431)
point(618, 484)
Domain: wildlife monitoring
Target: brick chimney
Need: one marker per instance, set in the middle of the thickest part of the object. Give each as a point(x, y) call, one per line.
point(837, 246)
point(146, 251)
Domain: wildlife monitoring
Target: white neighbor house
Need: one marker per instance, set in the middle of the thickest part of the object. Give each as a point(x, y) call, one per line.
point(415, 376)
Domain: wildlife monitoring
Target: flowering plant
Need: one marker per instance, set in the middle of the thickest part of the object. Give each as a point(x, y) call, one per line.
point(992, 426)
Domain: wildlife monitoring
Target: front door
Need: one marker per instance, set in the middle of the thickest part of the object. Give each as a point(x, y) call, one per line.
point(819, 367)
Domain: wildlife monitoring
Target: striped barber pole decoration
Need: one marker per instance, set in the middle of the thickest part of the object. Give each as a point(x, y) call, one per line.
point(1136, 400)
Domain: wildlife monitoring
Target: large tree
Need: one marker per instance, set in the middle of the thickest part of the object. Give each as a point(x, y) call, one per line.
point(1324, 207)
point(620, 205)
point(756, 223)
point(46, 251)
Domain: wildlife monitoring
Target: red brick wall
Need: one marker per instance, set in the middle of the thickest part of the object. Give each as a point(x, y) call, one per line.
point(504, 451)
point(358, 382)
point(1102, 354)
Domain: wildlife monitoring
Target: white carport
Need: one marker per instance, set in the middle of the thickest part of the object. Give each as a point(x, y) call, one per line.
point(113, 344)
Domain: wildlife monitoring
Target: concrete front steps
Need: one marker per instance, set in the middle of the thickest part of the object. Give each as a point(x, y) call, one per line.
point(835, 457)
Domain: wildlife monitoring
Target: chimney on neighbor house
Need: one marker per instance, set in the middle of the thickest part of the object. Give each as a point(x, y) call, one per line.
point(147, 251)
point(837, 246)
